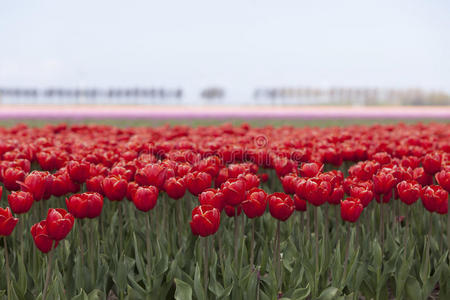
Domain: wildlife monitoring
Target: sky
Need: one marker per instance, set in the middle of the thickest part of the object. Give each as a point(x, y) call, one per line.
point(238, 45)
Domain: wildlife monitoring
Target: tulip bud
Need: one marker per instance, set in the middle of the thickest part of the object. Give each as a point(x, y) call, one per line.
point(20, 201)
point(205, 220)
point(7, 222)
point(281, 206)
point(255, 203)
point(409, 191)
point(145, 198)
point(59, 223)
point(351, 209)
point(41, 238)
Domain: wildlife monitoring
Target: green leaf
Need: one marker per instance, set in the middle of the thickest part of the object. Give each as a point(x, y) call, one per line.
point(183, 290)
point(302, 293)
point(198, 286)
point(413, 290)
point(425, 265)
point(329, 293)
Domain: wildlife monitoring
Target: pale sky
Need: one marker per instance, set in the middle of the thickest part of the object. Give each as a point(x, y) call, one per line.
point(238, 45)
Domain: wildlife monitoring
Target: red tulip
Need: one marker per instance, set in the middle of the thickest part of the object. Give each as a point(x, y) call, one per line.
point(435, 199)
point(11, 177)
point(131, 190)
point(197, 182)
point(78, 171)
point(7, 222)
point(351, 209)
point(316, 191)
point(41, 238)
point(205, 220)
point(255, 203)
point(409, 191)
point(363, 192)
point(233, 191)
point(38, 183)
point(383, 182)
point(289, 183)
point(443, 179)
point(152, 174)
point(114, 187)
point(20, 201)
point(300, 204)
point(432, 163)
point(84, 205)
point(59, 223)
point(283, 166)
point(175, 187)
point(422, 177)
point(311, 169)
point(212, 197)
point(281, 206)
point(145, 198)
point(94, 184)
point(251, 180)
point(336, 195)
point(62, 184)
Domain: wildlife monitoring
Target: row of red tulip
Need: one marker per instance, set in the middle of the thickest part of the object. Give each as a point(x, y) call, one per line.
point(139, 163)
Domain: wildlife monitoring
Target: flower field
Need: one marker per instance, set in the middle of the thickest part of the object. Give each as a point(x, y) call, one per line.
point(225, 212)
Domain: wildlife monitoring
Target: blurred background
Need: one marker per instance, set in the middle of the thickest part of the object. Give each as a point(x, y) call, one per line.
point(208, 55)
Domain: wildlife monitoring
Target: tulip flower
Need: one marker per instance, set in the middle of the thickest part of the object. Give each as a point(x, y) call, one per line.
point(383, 182)
point(212, 197)
point(234, 191)
point(41, 238)
point(38, 183)
point(59, 223)
point(205, 220)
point(86, 205)
point(20, 201)
point(281, 206)
point(197, 182)
point(145, 198)
point(316, 191)
point(11, 177)
point(443, 179)
point(94, 184)
point(311, 169)
point(114, 187)
point(409, 191)
point(351, 209)
point(432, 163)
point(175, 187)
point(152, 174)
point(7, 222)
point(300, 204)
point(363, 192)
point(255, 203)
point(435, 199)
point(78, 171)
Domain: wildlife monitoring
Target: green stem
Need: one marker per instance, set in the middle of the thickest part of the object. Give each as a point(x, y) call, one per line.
point(8, 280)
point(149, 248)
point(47, 276)
point(347, 252)
point(80, 241)
point(381, 224)
point(278, 262)
point(236, 239)
point(252, 245)
point(205, 265)
point(120, 226)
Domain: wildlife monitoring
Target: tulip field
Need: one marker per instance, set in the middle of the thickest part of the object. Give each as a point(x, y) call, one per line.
point(225, 212)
